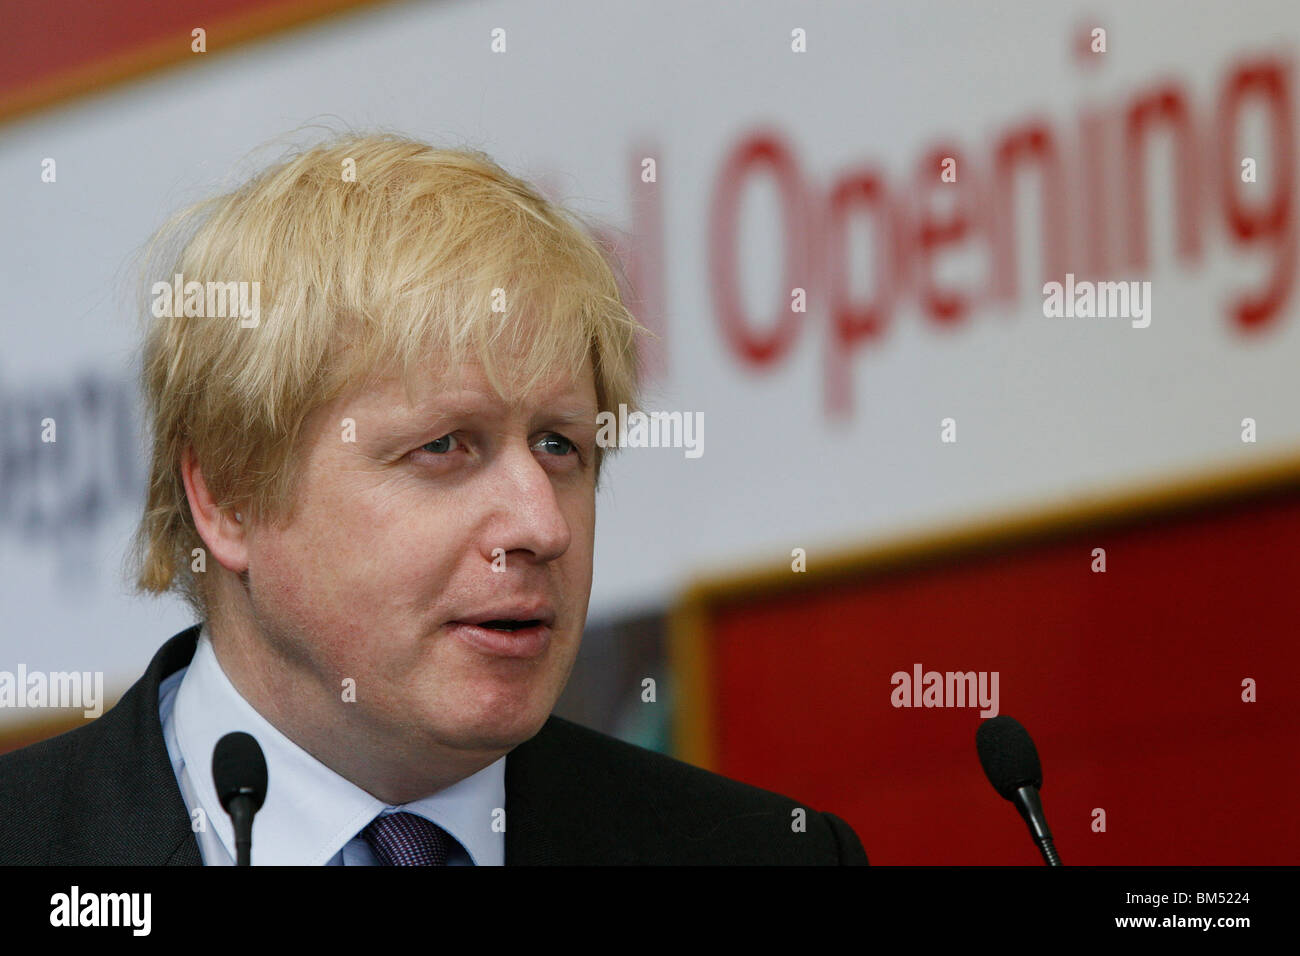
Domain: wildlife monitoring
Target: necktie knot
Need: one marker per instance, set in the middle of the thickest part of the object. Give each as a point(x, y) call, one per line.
point(407, 839)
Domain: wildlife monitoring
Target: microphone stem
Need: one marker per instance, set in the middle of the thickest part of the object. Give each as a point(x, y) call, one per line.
point(1049, 852)
point(1027, 801)
point(241, 816)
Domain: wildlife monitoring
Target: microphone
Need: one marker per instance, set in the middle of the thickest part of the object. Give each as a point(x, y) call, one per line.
point(1010, 761)
point(239, 771)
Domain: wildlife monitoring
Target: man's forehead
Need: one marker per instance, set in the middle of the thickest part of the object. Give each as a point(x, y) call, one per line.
point(468, 390)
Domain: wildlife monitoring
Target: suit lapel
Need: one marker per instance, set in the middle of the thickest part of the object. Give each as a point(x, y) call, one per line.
point(528, 843)
point(558, 802)
point(126, 807)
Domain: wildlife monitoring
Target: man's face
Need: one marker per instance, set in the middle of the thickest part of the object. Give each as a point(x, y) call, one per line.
point(444, 513)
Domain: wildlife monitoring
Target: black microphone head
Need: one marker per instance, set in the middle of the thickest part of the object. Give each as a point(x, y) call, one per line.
point(1008, 755)
point(238, 768)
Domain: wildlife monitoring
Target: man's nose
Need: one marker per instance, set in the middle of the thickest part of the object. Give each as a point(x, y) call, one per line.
point(526, 511)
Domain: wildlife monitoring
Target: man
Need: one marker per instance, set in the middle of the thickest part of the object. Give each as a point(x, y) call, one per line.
point(374, 480)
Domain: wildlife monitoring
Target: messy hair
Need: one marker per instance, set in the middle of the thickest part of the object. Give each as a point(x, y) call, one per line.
point(371, 251)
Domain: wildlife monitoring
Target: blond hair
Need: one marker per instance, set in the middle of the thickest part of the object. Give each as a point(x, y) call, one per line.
point(359, 276)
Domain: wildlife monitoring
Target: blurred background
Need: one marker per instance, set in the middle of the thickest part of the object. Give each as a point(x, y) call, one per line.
point(839, 219)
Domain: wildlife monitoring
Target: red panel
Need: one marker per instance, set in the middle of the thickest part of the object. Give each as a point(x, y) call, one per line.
point(1129, 682)
point(48, 37)
point(50, 49)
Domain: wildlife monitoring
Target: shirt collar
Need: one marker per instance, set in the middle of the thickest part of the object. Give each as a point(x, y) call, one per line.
point(311, 812)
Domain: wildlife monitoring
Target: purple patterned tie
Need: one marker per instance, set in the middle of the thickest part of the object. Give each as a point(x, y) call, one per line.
point(407, 839)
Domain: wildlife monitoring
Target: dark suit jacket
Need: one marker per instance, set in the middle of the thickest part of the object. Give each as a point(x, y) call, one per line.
point(106, 794)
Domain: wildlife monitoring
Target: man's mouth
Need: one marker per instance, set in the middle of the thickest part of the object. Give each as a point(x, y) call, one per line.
point(511, 616)
point(518, 637)
point(509, 625)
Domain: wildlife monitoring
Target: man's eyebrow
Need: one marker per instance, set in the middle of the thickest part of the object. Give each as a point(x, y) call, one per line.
point(432, 409)
point(426, 412)
point(568, 416)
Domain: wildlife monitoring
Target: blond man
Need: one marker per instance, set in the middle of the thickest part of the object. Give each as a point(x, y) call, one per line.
point(373, 375)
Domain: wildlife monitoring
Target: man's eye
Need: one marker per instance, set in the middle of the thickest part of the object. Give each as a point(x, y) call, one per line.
point(565, 446)
point(439, 446)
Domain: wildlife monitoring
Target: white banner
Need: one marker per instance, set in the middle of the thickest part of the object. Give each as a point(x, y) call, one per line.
point(854, 213)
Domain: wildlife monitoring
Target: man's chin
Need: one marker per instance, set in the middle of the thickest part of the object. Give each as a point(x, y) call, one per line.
point(495, 732)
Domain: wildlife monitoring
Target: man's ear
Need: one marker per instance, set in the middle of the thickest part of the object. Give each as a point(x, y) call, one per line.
point(221, 531)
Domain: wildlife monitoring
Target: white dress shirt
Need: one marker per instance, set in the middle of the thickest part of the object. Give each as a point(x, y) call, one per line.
point(312, 816)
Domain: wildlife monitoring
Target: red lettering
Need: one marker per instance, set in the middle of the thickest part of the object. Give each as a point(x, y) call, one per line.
point(850, 323)
point(1169, 106)
point(1031, 142)
point(1272, 222)
point(758, 348)
point(934, 232)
